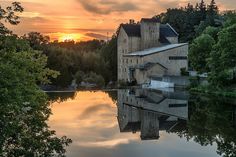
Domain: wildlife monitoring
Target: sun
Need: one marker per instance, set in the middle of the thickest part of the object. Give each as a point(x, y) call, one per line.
point(66, 37)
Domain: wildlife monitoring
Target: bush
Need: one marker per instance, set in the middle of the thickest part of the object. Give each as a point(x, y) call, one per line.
point(94, 78)
point(184, 72)
point(194, 81)
point(79, 76)
point(122, 83)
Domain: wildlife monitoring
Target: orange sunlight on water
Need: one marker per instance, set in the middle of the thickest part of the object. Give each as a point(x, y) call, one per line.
point(90, 120)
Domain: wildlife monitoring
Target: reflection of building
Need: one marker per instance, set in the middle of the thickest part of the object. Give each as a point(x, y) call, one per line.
point(149, 49)
point(235, 116)
point(151, 111)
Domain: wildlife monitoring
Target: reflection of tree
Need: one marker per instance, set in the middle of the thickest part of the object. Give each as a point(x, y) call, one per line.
point(211, 121)
point(24, 132)
point(61, 96)
point(113, 95)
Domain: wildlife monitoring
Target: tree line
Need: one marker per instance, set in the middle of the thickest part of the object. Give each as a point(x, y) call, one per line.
point(211, 35)
point(86, 61)
point(213, 52)
point(90, 61)
point(191, 20)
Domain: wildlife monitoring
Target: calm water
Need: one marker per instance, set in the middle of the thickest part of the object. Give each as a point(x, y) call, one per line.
point(144, 123)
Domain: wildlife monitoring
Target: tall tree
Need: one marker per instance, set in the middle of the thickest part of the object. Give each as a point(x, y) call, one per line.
point(223, 58)
point(36, 40)
point(202, 10)
point(212, 12)
point(24, 109)
point(200, 51)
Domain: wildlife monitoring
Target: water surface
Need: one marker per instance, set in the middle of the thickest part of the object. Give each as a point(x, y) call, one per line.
point(142, 123)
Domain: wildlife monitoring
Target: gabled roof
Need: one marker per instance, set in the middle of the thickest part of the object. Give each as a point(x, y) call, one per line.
point(168, 31)
point(132, 30)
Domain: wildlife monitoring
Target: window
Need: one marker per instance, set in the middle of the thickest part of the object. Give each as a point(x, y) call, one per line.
point(137, 61)
point(130, 60)
point(178, 57)
point(177, 105)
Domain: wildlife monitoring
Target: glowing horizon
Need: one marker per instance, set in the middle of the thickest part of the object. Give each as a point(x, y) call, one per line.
point(83, 20)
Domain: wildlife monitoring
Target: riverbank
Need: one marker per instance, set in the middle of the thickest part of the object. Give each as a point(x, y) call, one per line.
point(226, 92)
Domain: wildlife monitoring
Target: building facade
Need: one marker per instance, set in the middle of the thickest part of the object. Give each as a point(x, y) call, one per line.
point(149, 49)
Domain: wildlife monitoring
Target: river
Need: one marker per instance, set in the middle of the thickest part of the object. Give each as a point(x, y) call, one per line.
point(144, 123)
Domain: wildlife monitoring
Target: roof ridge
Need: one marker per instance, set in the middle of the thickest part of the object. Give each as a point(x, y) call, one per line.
point(155, 50)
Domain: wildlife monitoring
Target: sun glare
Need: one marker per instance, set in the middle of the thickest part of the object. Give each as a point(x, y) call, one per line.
point(64, 37)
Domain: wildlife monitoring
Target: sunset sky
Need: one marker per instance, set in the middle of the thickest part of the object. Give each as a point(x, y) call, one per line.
point(88, 19)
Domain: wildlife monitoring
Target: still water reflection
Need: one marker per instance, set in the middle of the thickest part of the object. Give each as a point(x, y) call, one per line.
point(140, 123)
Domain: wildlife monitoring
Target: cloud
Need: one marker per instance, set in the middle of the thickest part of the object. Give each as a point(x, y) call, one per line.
point(93, 109)
point(168, 4)
point(91, 30)
point(107, 7)
point(96, 35)
point(107, 144)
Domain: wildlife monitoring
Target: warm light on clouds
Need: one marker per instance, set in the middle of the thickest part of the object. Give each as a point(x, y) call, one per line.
point(90, 120)
point(64, 37)
point(88, 19)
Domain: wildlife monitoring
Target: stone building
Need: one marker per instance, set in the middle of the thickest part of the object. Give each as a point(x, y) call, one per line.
point(149, 49)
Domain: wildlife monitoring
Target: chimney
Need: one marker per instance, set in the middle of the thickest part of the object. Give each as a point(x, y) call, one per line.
point(131, 21)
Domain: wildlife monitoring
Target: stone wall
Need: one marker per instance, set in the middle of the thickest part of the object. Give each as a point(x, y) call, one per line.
point(173, 66)
point(143, 76)
point(150, 34)
point(134, 44)
point(173, 40)
point(122, 48)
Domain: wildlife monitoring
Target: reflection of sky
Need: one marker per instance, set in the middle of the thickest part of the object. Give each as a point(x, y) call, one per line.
point(90, 121)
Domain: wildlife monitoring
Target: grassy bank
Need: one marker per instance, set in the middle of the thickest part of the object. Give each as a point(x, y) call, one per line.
point(225, 92)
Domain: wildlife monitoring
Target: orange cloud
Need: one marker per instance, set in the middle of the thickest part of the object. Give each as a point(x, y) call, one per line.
point(91, 18)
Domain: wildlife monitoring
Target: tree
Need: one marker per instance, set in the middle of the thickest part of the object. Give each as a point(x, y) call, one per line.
point(190, 21)
point(94, 78)
point(202, 10)
point(24, 108)
point(212, 31)
point(36, 40)
point(223, 58)
point(13, 43)
point(200, 51)
point(109, 54)
point(9, 15)
point(212, 12)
